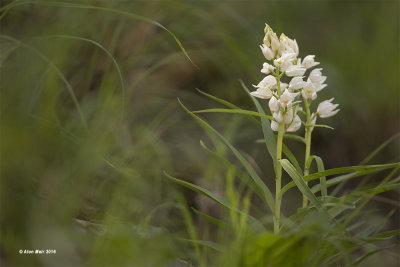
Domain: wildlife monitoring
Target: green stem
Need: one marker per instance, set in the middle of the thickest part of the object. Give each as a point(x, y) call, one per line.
point(278, 197)
point(308, 145)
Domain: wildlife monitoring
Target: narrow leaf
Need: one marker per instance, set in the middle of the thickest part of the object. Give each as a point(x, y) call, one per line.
point(298, 180)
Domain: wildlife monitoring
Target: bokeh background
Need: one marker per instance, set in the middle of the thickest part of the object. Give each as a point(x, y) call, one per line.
point(87, 191)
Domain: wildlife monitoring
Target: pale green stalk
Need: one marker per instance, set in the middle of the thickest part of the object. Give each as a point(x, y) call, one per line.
point(278, 180)
point(308, 145)
point(278, 196)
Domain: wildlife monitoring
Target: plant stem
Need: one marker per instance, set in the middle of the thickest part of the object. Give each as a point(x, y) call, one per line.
point(308, 145)
point(278, 197)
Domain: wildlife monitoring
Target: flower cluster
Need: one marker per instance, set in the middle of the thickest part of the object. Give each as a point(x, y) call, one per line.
point(282, 54)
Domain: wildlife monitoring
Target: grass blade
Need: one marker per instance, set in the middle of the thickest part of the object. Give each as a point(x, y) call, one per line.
point(235, 111)
point(298, 180)
point(267, 195)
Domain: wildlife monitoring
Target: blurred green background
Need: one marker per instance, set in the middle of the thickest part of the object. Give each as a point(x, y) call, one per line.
point(89, 191)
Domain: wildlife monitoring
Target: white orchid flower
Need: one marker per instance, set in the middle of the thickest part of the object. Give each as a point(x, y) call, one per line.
point(316, 76)
point(288, 117)
point(326, 109)
point(295, 125)
point(273, 104)
point(309, 91)
point(267, 52)
point(267, 68)
point(264, 87)
point(286, 99)
point(285, 61)
point(296, 83)
point(308, 62)
point(295, 70)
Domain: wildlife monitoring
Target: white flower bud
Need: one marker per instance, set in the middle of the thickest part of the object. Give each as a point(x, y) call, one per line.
point(285, 61)
point(308, 62)
point(273, 105)
point(326, 108)
point(267, 52)
point(316, 76)
point(267, 68)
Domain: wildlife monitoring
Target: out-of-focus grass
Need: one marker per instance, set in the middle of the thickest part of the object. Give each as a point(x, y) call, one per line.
point(56, 175)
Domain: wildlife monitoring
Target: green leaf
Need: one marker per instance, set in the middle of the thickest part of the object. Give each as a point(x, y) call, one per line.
point(322, 179)
point(298, 180)
point(266, 127)
point(229, 105)
point(267, 195)
point(235, 111)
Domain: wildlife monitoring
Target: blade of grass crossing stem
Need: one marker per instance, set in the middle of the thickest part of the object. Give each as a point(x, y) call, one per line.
point(267, 195)
point(228, 104)
point(116, 11)
point(234, 111)
point(219, 100)
point(298, 179)
point(266, 127)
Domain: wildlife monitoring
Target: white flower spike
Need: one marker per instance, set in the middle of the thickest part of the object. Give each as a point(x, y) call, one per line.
point(326, 109)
